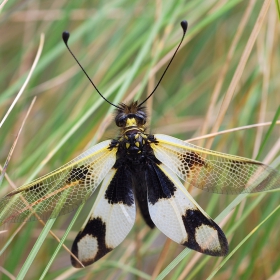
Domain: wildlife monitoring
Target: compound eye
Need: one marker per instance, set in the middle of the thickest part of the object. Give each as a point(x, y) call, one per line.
point(121, 121)
point(141, 121)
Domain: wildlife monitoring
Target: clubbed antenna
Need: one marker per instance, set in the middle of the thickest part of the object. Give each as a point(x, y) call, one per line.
point(184, 25)
point(65, 37)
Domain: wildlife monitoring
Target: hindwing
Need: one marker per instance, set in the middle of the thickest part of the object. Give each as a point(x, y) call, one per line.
point(110, 220)
point(178, 216)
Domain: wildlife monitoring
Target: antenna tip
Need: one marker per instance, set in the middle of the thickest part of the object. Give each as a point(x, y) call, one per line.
point(184, 25)
point(65, 36)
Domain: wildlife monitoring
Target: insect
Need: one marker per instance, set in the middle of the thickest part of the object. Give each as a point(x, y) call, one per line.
point(142, 169)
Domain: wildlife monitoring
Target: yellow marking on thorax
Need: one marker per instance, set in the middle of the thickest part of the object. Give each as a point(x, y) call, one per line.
point(131, 124)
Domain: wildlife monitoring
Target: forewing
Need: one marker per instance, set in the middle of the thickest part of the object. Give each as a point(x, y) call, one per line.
point(178, 216)
point(212, 171)
point(109, 221)
point(60, 191)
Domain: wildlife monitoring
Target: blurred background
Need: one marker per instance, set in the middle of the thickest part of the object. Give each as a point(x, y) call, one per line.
point(124, 47)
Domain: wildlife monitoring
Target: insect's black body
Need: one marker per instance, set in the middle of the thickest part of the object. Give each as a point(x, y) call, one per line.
point(136, 162)
point(138, 175)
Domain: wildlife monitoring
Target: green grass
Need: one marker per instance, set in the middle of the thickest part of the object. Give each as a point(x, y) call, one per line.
point(123, 46)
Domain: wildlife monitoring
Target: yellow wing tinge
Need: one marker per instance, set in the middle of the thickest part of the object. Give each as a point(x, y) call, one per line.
point(64, 167)
point(212, 171)
point(67, 186)
point(198, 149)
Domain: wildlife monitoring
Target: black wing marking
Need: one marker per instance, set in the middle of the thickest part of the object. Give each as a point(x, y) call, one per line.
point(109, 221)
point(212, 171)
point(178, 216)
point(60, 191)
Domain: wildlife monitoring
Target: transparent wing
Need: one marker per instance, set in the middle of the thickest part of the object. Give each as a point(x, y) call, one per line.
point(212, 171)
point(60, 191)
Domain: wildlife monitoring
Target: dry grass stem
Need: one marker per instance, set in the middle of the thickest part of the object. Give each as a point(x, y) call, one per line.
point(240, 68)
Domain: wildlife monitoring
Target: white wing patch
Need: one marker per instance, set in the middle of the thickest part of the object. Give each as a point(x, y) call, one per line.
point(205, 236)
point(181, 219)
point(86, 248)
point(119, 219)
point(106, 227)
point(167, 216)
